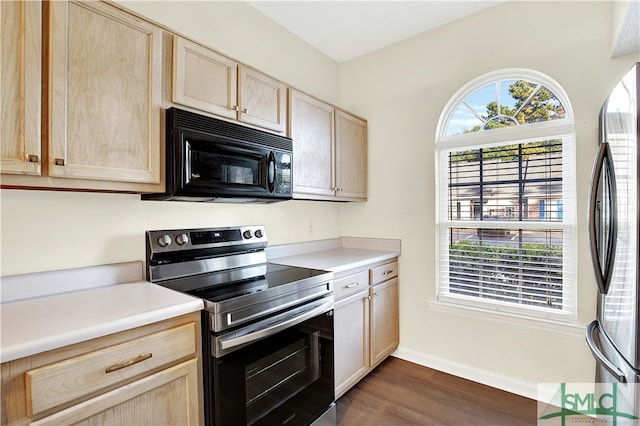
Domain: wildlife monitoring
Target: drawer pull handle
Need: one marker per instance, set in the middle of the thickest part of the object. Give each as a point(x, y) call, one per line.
point(129, 363)
point(390, 271)
point(352, 285)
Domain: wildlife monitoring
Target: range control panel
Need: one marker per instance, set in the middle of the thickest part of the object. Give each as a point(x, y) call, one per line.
point(165, 241)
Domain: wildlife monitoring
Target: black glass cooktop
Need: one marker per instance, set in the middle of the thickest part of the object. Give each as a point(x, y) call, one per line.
point(220, 286)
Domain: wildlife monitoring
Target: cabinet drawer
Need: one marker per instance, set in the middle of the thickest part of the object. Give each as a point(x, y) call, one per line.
point(350, 284)
point(166, 397)
point(73, 378)
point(384, 272)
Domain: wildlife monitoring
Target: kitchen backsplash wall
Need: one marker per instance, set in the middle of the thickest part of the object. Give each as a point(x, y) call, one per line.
point(48, 230)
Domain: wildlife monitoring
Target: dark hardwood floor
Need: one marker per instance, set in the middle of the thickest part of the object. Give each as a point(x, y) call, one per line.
point(400, 393)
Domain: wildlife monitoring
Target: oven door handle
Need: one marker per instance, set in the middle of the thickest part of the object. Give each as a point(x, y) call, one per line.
point(225, 344)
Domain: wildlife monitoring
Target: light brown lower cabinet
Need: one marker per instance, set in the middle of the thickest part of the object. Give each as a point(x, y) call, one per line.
point(366, 324)
point(351, 341)
point(149, 375)
point(384, 320)
point(162, 398)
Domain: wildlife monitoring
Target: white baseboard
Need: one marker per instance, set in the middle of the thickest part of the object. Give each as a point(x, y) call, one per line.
point(509, 384)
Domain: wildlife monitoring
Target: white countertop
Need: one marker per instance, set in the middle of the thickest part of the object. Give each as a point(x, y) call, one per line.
point(337, 259)
point(49, 310)
point(39, 324)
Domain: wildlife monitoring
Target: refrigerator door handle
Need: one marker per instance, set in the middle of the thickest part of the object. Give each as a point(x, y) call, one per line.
point(599, 356)
point(603, 272)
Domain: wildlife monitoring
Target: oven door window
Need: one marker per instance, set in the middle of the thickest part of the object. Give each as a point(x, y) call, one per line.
point(284, 379)
point(218, 164)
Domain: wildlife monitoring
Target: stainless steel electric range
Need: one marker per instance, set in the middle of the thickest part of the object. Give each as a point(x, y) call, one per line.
point(268, 355)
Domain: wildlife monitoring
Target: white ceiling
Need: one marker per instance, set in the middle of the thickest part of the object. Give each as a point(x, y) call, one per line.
point(628, 40)
point(346, 29)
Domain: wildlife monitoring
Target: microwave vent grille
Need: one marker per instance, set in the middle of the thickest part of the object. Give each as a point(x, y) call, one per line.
point(190, 121)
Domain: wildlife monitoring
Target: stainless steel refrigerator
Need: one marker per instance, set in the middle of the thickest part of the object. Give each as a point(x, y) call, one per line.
point(613, 226)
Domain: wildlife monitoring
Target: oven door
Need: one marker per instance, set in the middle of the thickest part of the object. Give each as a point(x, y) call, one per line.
point(283, 379)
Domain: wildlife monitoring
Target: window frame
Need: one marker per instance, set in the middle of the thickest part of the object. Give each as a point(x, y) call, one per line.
point(563, 128)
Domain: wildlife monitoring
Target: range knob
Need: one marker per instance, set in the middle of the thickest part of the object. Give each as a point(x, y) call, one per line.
point(246, 234)
point(164, 240)
point(259, 233)
point(182, 239)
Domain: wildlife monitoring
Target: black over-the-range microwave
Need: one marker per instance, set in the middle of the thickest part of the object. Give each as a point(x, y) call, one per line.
point(211, 160)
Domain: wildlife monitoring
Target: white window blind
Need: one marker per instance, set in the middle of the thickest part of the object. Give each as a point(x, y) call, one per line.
point(506, 197)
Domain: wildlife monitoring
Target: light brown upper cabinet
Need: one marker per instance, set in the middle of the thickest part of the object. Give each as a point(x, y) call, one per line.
point(208, 81)
point(329, 151)
point(105, 94)
point(351, 157)
point(20, 79)
point(102, 98)
point(204, 79)
point(313, 134)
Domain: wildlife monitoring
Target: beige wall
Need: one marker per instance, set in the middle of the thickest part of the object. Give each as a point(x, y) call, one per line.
point(402, 91)
point(43, 230)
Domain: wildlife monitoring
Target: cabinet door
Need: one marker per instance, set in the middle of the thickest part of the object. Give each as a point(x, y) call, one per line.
point(262, 100)
point(312, 131)
point(169, 397)
point(351, 341)
point(204, 79)
point(351, 157)
point(104, 94)
point(384, 320)
point(20, 74)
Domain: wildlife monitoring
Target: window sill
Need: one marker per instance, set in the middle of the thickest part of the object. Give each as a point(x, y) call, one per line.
point(568, 329)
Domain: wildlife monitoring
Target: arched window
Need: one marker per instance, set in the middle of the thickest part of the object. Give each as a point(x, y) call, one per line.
point(506, 196)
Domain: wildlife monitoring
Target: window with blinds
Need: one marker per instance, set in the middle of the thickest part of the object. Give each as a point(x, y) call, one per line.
point(506, 197)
